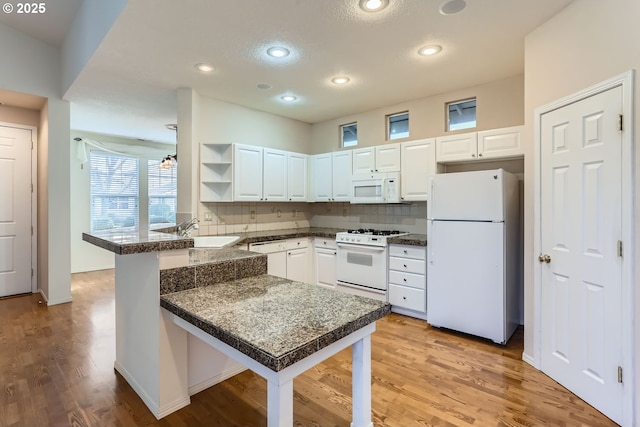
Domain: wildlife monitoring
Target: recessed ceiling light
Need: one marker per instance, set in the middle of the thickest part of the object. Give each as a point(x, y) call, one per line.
point(205, 68)
point(373, 5)
point(288, 98)
point(263, 86)
point(278, 51)
point(340, 80)
point(429, 50)
point(452, 7)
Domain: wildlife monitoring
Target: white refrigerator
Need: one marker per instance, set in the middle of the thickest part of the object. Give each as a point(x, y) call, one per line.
point(473, 247)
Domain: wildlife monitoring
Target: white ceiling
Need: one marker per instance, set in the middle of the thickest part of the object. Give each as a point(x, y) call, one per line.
point(50, 26)
point(129, 85)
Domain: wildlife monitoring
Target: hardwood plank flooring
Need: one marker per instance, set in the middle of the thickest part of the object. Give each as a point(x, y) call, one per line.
point(56, 369)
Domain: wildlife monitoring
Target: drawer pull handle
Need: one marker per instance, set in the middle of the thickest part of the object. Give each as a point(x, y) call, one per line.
point(405, 251)
point(404, 298)
point(405, 265)
point(404, 280)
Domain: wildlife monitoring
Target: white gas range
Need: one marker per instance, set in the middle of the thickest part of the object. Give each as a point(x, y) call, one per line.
point(362, 261)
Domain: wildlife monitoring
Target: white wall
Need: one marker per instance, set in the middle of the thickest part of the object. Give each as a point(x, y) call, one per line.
point(499, 104)
point(588, 42)
point(32, 67)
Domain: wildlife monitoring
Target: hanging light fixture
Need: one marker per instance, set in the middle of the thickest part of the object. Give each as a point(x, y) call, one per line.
point(171, 159)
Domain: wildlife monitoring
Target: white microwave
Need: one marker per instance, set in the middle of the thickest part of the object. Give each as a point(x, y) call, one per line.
point(376, 188)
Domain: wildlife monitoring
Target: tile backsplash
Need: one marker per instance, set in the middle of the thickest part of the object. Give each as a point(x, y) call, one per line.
point(225, 218)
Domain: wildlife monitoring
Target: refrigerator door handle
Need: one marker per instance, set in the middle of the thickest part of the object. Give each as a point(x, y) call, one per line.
point(432, 238)
point(433, 196)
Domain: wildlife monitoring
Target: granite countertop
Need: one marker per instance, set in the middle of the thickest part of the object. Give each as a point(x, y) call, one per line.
point(134, 242)
point(409, 239)
point(275, 321)
point(209, 255)
point(270, 235)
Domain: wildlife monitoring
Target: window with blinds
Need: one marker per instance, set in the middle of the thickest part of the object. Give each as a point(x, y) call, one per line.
point(162, 194)
point(114, 192)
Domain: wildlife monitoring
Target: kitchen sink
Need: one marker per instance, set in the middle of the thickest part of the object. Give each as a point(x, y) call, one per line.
point(214, 241)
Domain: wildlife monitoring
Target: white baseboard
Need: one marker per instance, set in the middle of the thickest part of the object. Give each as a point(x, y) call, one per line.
point(44, 297)
point(407, 312)
point(529, 359)
point(156, 410)
point(225, 375)
point(59, 301)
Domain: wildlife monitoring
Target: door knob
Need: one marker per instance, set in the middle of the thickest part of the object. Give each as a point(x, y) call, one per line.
point(544, 258)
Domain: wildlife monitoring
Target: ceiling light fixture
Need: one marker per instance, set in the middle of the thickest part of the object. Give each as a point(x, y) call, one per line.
point(288, 98)
point(340, 80)
point(278, 52)
point(429, 50)
point(171, 159)
point(263, 86)
point(205, 68)
point(373, 5)
point(452, 7)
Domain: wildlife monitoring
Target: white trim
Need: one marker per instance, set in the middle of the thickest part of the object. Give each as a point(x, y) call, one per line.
point(158, 412)
point(527, 358)
point(218, 378)
point(34, 201)
point(44, 297)
point(625, 81)
point(408, 312)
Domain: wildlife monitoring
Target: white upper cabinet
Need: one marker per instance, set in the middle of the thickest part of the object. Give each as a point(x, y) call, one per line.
point(274, 183)
point(267, 174)
point(418, 161)
point(382, 158)
point(341, 175)
point(297, 177)
point(456, 148)
point(491, 144)
point(332, 176)
point(500, 143)
point(247, 173)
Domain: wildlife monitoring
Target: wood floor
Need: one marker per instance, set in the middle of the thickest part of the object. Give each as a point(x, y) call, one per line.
point(56, 369)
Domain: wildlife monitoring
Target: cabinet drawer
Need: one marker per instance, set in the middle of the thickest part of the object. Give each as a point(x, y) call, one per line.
point(417, 252)
point(297, 243)
point(408, 265)
point(418, 281)
point(322, 242)
point(413, 299)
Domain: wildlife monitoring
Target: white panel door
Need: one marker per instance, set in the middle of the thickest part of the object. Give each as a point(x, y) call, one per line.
point(500, 143)
point(465, 278)
point(274, 173)
point(418, 163)
point(15, 211)
point(297, 177)
point(388, 158)
point(456, 148)
point(298, 265)
point(364, 160)
point(581, 340)
point(342, 176)
point(326, 260)
point(247, 173)
point(322, 177)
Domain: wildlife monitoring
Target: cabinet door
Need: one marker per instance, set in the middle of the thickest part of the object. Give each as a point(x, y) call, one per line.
point(277, 264)
point(297, 177)
point(388, 158)
point(418, 160)
point(297, 265)
point(274, 183)
point(342, 176)
point(326, 267)
point(500, 143)
point(247, 173)
point(456, 148)
point(322, 177)
point(364, 160)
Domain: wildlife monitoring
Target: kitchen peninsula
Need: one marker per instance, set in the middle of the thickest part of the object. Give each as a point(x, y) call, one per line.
point(276, 327)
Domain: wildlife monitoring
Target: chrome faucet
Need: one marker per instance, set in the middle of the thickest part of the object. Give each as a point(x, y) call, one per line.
point(185, 227)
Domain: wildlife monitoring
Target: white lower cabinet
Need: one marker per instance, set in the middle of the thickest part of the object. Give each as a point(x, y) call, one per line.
point(289, 258)
point(408, 280)
point(325, 262)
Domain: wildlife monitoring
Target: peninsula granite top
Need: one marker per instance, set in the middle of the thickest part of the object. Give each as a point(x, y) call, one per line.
point(135, 242)
point(275, 321)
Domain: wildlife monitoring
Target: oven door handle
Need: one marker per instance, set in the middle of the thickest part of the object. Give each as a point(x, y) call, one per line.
point(362, 247)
